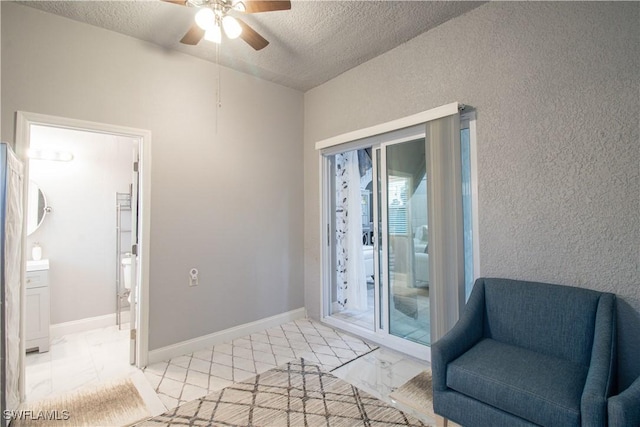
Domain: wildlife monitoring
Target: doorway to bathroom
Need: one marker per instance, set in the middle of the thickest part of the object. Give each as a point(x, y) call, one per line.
point(399, 242)
point(86, 238)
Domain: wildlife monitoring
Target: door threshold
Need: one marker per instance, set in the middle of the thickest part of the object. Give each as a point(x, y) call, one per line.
point(418, 351)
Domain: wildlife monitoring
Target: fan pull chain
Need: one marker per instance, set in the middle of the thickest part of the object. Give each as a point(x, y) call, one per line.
point(219, 100)
point(218, 96)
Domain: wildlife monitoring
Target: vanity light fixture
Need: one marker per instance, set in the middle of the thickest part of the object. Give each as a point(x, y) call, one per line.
point(58, 156)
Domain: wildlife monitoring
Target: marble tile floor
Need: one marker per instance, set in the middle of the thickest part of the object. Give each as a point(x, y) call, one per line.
point(88, 358)
point(381, 372)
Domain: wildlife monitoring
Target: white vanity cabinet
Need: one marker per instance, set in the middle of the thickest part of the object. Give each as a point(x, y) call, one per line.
point(37, 318)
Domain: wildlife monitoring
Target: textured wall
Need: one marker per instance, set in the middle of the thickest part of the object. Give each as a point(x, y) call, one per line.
point(556, 88)
point(226, 196)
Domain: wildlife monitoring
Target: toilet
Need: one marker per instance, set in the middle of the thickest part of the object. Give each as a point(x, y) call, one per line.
point(126, 274)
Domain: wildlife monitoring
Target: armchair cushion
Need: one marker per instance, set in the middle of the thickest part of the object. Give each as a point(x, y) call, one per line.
point(549, 319)
point(542, 389)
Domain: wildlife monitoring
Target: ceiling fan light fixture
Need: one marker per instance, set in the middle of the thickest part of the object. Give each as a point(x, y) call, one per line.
point(232, 27)
point(213, 16)
point(213, 34)
point(205, 18)
point(238, 5)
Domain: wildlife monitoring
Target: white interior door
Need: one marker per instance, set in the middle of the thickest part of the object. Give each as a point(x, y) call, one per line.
point(133, 313)
point(11, 206)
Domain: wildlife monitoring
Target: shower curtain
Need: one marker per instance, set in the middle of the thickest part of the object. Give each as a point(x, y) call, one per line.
point(11, 216)
point(351, 279)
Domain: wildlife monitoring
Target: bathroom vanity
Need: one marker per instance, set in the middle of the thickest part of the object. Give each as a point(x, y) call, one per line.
point(37, 282)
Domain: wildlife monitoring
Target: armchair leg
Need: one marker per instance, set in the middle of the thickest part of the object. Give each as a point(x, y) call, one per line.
point(441, 421)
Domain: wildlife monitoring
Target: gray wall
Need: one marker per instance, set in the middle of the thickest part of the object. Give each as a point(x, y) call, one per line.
point(556, 88)
point(79, 237)
point(226, 190)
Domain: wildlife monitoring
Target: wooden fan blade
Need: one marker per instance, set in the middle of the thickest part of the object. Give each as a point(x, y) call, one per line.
point(257, 6)
point(193, 36)
point(180, 2)
point(251, 36)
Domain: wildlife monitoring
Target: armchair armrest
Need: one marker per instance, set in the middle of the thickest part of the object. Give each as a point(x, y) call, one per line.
point(624, 409)
point(601, 369)
point(464, 335)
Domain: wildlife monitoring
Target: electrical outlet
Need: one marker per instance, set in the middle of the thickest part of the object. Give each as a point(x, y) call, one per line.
point(193, 277)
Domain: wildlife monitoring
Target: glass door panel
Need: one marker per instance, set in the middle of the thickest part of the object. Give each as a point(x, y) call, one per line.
point(407, 241)
point(351, 234)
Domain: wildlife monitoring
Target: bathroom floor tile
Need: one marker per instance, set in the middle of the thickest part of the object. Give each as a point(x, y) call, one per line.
point(85, 359)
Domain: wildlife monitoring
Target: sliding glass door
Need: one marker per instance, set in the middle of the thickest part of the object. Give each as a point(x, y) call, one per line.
point(398, 232)
point(378, 240)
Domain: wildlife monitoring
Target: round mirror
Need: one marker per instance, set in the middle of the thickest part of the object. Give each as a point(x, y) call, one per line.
point(37, 208)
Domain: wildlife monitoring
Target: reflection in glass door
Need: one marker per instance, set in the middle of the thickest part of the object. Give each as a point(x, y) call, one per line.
point(407, 241)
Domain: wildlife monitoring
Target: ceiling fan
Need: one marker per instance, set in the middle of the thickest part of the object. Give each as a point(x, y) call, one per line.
point(214, 16)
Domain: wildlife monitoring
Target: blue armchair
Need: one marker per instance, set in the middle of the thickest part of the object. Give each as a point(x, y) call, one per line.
point(526, 353)
point(624, 409)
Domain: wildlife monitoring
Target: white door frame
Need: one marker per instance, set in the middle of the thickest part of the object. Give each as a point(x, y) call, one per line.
point(24, 121)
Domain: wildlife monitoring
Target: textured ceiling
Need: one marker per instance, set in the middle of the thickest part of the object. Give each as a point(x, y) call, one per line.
point(309, 44)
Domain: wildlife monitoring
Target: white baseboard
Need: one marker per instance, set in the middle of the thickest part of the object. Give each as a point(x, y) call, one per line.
point(195, 344)
point(59, 329)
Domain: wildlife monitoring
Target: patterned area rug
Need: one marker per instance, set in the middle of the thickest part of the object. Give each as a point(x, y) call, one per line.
point(114, 404)
point(296, 394)
point(192, 376)
point(417, 394)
